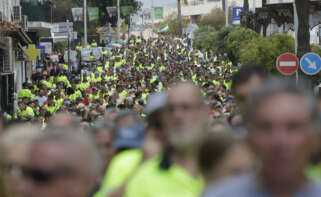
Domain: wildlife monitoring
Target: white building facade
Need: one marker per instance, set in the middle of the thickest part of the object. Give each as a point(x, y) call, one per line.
point(13, 38)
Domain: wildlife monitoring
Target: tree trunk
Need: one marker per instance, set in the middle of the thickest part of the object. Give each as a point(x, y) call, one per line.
point(246, 5)
point(223, 5)
point(303, 37)
point(179, 17)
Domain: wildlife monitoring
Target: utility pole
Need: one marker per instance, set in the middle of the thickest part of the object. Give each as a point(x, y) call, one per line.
point(85, 23)
point(226, 12)
point(118, 20)
point(68, 31)
point(153, 19)
point(246, 6)
point(302, 33)
point(254, 5)
point(301, 10)
point(223, 5)
point(179, 18)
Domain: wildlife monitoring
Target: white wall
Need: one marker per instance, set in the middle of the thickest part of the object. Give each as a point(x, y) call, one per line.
point(207, 7)
point(278, 1)
point(6, 7)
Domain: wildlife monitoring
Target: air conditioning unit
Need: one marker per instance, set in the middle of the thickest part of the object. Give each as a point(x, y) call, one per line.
point(20, 55)
point(25, 22)
point(6, 59)
point(17, 13)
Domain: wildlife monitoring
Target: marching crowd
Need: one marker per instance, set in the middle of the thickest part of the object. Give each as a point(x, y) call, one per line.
point(157, 118)
point(122, 79)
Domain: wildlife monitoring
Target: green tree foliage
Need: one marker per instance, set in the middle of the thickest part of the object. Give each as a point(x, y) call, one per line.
point(237, 39)
point(264, 51)
point(104, 18)
point(317, 78)
point(62, 9)
point(172, 23)
point(215, 19)
point(247, 47)
point(208, 38)
point(60, 45)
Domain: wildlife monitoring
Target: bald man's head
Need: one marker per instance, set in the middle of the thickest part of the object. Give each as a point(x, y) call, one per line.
point(188, 90)
point(69, 160)
point(63, 119)
point(186, 113)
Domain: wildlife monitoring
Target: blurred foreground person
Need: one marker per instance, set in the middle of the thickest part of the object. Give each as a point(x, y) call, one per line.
point(103, 132)
point(14, 144)
point(3, 186)
point(222, 156)
point(62, 119)
point(282, 120)
point(175, 173)
point(245, 81)
point(219, 126)
point(130, 132)
point(1, 124)
point(154, 140)
point(62, 163)
point(127, 162)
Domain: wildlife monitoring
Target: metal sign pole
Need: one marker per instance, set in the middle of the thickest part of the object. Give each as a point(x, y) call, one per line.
point(254, 6)
point(118, 20)
point(153, 19)
point(69, 62)
point(226, 12)
point(296, 28)
point(85, 23)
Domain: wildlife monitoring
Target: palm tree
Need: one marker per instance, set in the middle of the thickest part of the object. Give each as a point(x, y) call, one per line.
point(179, 17)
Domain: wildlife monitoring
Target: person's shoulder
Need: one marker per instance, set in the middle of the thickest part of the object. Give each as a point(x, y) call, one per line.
point(238, 186)
point(148, 168)
point(314, 189)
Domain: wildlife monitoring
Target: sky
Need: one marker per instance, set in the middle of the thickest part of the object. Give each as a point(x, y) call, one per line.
point(148, 3)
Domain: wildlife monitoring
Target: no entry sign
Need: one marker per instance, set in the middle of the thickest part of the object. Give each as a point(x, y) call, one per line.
point(287, 64)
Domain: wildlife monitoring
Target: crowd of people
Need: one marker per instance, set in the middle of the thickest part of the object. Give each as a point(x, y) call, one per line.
point(157, 118)
point(122, 79)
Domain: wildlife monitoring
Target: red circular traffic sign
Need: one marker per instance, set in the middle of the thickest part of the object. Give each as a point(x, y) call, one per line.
point(287, 64)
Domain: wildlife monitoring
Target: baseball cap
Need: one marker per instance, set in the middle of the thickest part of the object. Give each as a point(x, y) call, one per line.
point(155, 102)
point(129, 136)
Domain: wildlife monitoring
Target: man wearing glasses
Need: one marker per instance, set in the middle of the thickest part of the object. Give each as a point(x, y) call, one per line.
point(282, 121)
point(62, 163)
point(175, 172)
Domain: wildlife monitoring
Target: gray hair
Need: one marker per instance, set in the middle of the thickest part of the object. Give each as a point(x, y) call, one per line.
point(20, 133)
point(128, 113)
point(220, 122)
point(276, 86)
point(103, 125)
point(110, 110)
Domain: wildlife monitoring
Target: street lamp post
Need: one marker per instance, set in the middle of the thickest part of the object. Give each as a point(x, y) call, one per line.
point(153, 19)
point(69, 62)
point(226, 12)
point(85, 23)
point(118, 20)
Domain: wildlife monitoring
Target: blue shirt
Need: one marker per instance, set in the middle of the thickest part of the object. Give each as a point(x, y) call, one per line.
point(245, 186)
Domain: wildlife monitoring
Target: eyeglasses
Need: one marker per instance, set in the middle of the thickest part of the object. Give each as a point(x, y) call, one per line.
point(183, 107)
point(44, 176)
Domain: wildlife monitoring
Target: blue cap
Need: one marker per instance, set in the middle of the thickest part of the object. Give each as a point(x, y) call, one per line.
point(129, 136)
